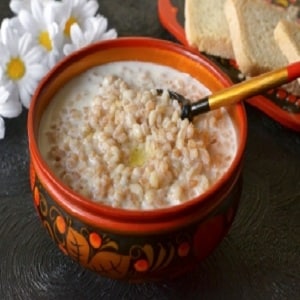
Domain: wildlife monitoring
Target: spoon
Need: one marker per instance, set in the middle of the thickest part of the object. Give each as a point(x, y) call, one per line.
point(237, 92)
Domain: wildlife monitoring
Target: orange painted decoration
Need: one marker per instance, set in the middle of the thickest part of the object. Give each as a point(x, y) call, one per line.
point(61, 224)
point(141, 265)
point(184, 249)
point(36, 195)
point(95, 240)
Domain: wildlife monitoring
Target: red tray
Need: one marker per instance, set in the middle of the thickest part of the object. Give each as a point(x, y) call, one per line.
point(278, 104)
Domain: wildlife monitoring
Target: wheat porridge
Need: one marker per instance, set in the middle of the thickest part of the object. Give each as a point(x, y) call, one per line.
point(111, 138)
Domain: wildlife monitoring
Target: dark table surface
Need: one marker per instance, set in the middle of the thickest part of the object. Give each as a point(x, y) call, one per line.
point(259, 259)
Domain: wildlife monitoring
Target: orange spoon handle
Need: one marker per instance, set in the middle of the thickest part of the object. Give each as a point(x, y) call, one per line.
point(293, 71)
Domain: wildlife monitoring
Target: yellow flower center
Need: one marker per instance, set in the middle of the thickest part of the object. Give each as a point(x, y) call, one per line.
point(68, 25)
point(15, 68)
point(45, 41)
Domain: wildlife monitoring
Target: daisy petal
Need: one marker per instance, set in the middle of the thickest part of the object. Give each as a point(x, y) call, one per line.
point(17, 5)
point(15, 23)
point(37, 9)
point(37, 71)
point(27, 21)
point(25, 96)
point(5, 55)
point(50, 13)
point(100, 23)
point(34, 55)
point(76, 34)
point(110, 34)
point(25, 43)
point(5, 31)
point(90, 8)
point(31, 83)
point(2, 128)
point(68, 49)
point(63, 11)
point(11, 108)
point(4, 95)
point(52, 60)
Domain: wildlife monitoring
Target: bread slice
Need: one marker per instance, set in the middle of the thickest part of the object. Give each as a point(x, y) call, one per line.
point(206, 27)
point(251, 24)
point(287, 37)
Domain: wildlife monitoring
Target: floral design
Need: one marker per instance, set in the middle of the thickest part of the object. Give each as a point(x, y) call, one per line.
point(101, 252)
point(138, 257)
point(35, 39)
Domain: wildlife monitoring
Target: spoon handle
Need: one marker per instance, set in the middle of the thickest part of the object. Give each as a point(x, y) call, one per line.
point(245, 89)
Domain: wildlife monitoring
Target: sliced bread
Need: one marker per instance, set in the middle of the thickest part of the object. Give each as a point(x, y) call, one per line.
point(206, 27)
point(287, 36)
point(251, 24)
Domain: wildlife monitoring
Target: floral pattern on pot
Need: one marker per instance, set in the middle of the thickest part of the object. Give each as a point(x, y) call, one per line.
point(133, 257)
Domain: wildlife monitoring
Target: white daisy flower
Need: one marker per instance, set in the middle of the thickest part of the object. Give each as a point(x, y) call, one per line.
point(31, 42)
point(44, 30)
point(17, 5)
point(76, 12)
point(20, 62)
point(94, 29)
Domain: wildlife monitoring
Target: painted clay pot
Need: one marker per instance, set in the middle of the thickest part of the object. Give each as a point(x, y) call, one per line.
point(127, 244)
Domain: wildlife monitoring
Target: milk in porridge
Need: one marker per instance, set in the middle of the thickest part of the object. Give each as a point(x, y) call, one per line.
point(111, 138)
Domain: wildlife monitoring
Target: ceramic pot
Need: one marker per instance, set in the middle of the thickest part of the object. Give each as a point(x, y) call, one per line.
point(127, 244)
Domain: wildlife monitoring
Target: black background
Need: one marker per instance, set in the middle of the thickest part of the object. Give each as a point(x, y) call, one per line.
point(259, 259)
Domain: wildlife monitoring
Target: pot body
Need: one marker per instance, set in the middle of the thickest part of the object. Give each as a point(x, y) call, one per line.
point(134, 245)
point(135, 256)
